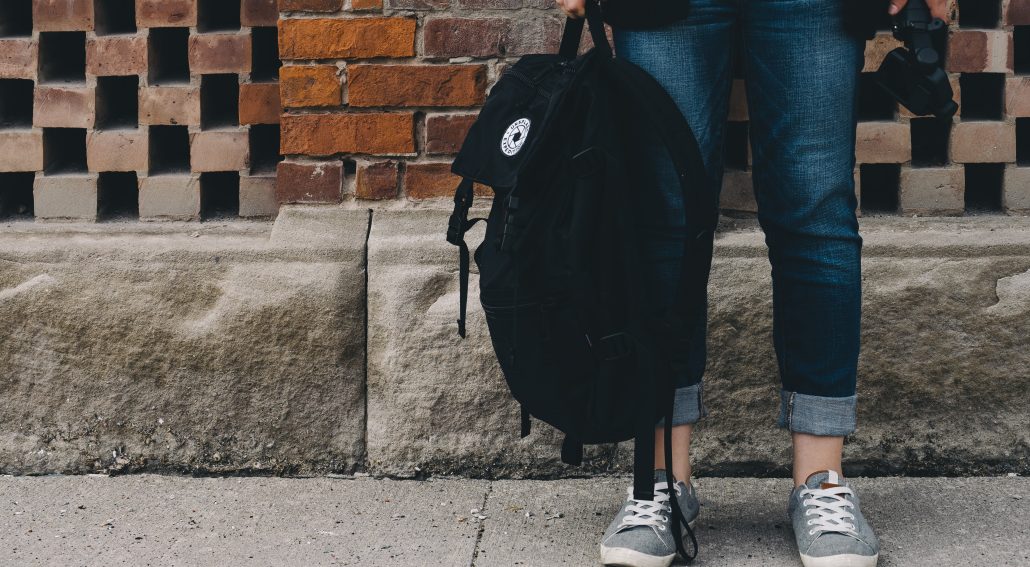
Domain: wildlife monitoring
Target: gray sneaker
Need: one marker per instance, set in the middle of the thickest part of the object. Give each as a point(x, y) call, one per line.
point(829, 526)
point(640, 535)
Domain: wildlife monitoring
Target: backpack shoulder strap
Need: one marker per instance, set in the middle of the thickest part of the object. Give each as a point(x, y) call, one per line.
point(458, 225)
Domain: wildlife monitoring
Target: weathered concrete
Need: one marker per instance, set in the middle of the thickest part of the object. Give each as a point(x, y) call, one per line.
point(184, 346)
point(943, 384)
point(157, 520)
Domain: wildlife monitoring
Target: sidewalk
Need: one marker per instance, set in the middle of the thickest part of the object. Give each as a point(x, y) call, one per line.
point(163, 520)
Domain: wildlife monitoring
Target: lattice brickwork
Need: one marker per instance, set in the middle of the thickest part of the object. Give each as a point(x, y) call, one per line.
point(148, 108)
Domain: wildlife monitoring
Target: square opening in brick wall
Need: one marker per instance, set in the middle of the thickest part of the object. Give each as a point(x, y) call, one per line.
point(880, 189)
point(218, 15)
point(117, 195)
point(169, 148)
point(16, 194)
point(62, 57)
point(15, 18)
point(117, 102)
point(265, 62)
point(114, 16)
point(64, 150)
point(16, 103)
point(219, 101)
point(168, 53)
point(984, 182)
point(220, 195)
point(980, 14)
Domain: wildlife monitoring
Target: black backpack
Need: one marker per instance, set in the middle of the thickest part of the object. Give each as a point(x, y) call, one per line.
point(567, 144)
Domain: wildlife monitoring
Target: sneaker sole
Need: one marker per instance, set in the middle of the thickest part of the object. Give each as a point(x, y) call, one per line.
point(844, 560)
point(625, 557)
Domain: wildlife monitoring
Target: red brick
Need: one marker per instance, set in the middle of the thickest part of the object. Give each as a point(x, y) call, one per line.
point(170, 106)
point(18, 58)
point(1017, 97)
point(366, 133)
point(310, 5)
point(259, 103)
point(983, 142)
point(320, 182)
point(366, 5)
point(220, 53)
point(166, 13)
point(259, 13)
point(310, 85)
point(490, 37)
point(1018, 13)
point(117, 150)
point(979, 51)
point(63, 107)
point(257, 197)
point(21, 150)
point(116, 55)
point(445, 133)
point(61, 15)
point(377, 180)
point(884, 142)
point(219, 150)
point(354, 38)
point(416, 85)
point(429, 180)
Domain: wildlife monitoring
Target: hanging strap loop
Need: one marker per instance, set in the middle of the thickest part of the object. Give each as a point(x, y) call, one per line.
point(458, 225)
point(573, 33)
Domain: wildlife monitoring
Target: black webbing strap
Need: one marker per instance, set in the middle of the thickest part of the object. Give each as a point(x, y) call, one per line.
point(573, 33)
point(458, 225)
point(527, 425)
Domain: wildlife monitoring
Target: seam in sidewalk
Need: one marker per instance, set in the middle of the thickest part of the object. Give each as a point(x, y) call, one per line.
point(482, 525)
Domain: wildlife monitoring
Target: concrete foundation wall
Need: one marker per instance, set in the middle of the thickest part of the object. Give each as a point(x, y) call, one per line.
point(242, 347)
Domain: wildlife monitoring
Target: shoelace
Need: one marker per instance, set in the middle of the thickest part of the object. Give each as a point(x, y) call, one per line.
point(830, 508)
point(651, 513)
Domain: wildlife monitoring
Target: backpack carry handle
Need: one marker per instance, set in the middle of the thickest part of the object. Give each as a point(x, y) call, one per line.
point(574, 32)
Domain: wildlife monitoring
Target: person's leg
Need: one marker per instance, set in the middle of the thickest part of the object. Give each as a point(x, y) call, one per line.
point(802, 71)
point(692, 60)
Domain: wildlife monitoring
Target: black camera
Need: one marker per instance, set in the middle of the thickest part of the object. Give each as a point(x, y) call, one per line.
point(914, 74)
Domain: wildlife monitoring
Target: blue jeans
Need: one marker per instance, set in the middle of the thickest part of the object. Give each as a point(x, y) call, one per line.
point(802, 71)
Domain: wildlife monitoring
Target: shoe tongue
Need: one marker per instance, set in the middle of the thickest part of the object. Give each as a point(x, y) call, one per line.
point(824, 480)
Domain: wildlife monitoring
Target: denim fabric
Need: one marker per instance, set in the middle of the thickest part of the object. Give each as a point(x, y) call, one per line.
point(801, 70)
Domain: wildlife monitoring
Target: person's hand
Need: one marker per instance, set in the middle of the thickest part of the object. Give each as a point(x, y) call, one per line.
point(573, 8)
point(939, 8)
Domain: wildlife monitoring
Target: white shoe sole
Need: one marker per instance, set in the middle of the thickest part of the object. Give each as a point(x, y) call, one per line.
point(844, 560)
point(625, 557)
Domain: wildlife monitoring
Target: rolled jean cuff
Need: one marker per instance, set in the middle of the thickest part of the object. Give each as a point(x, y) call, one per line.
point(817, 415)
point(689, 406)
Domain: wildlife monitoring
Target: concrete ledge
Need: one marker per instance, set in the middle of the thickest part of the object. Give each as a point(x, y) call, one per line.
point(241, 346)
point(187, 347)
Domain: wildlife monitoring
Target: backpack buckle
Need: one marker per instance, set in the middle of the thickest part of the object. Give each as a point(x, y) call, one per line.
point(616, 346)
point(456, 229)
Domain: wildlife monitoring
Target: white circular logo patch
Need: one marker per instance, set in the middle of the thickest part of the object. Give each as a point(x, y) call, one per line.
point(515, 137)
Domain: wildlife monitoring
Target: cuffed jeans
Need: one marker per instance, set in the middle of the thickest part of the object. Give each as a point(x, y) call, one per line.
point(801, 70)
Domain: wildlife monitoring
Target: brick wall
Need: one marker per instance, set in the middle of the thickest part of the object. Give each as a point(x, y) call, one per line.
point(169, 108)
point(377, 95)
point(148, 108)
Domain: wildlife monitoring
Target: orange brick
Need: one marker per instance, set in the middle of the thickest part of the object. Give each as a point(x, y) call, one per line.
point(428, 180)
point(367, 133)
point(302, 86)
point(259, 103)
point(983, 142)
point(64, 107)
point(377, 180)
point(354, 38)
point(366, 5)
point(884, 142)
point(416, 85)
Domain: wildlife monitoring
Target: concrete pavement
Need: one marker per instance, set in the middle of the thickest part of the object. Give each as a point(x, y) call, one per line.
point(164, 520)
